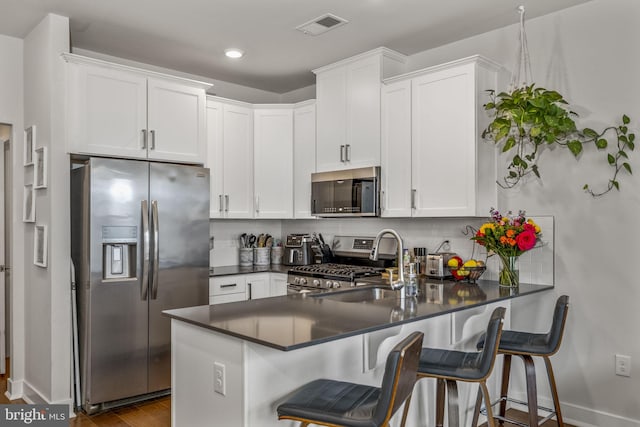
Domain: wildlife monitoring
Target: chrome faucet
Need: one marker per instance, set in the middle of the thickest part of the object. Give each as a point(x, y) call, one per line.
point(398, 284)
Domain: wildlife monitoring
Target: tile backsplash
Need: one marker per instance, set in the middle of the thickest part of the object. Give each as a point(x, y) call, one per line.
point(536, 266)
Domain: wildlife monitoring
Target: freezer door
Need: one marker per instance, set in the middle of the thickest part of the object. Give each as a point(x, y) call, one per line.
point(116, 339)
point(179, 200)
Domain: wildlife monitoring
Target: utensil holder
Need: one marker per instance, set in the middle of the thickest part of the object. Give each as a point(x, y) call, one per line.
point(246, 257)
point(261, 256)
point(276, 254)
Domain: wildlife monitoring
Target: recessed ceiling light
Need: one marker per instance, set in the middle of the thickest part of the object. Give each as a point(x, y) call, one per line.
point(233, 53)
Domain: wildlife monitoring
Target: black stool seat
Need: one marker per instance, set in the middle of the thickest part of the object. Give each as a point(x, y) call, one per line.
point(450, 363)
point(339, 403)
point(527, 345)
point(449, 366)
point(334, 402)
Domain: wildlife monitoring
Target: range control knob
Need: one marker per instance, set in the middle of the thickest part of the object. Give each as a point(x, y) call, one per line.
point(336, 284)
point(296, 280)
point(328, 284)
point(303, 281)
point(316, 282)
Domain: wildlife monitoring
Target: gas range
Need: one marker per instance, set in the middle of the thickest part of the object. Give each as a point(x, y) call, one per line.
point(352, 263)
point(329, 276)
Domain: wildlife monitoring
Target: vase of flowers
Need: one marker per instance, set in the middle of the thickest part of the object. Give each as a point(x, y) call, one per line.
point(508, 236)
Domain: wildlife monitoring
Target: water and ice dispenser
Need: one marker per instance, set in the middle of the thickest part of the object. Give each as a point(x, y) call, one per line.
point(119, 248)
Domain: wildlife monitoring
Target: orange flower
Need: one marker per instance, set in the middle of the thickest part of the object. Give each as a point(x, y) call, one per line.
point(511, 233)
point(503, 240)
point(511, 241)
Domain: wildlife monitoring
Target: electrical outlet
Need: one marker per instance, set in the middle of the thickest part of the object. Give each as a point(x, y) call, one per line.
point(623, 365)
point(219, 378)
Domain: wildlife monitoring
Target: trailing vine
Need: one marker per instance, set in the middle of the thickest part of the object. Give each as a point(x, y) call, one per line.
point(530, 118)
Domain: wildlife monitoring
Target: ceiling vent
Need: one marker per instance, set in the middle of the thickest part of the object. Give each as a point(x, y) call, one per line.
point(321, 24)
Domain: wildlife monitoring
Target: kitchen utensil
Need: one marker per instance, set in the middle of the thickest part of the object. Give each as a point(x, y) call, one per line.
point(261, 240)
point(243, 240)
point(268, 241)
point(251, 241)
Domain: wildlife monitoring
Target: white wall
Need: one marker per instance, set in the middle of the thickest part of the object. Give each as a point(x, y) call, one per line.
point(590, 54)
point(47, 290)
point(11, 112)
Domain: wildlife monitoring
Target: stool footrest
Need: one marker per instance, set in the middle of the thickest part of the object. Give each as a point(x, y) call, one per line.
point(551, 412)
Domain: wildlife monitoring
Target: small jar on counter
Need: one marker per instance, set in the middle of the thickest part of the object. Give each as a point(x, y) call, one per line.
point(420, 258)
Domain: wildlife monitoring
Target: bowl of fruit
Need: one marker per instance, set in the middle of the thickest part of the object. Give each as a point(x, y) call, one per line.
point(469, 270)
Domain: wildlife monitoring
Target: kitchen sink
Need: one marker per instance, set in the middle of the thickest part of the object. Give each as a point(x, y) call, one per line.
point(361, 295)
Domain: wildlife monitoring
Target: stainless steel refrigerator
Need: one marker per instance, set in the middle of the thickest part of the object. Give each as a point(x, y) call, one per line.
point(140, 245)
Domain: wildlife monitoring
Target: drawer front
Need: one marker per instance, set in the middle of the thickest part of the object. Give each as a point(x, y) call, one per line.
point(221, 299)
point(227, 285)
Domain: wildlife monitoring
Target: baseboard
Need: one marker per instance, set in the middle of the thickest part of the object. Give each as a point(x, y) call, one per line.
point(32, 396)
point(14, 389)
point(579, 416)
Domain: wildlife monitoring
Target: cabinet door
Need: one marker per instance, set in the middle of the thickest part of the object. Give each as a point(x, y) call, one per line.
point(278, 284)
point(444, 139)
point(304, 159)
point(238, 161)
point(395, 161)
point(363, 113)
point(107, 112)
point(215, 160)
point(273, 163)
point(176, 122)
point(258, 286)
point(331, 109)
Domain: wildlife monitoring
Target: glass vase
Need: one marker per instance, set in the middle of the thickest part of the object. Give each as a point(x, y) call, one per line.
point(509, 273)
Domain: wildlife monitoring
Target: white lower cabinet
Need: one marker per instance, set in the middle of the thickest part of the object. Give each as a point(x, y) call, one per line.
point(278, 284)
point(434, 162)
point(242, 287)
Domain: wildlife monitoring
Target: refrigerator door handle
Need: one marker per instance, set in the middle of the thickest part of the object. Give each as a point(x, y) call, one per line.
point(144, 283)
point(156, 249)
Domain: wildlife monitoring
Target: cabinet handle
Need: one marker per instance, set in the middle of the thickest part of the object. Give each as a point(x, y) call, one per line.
point(153, 140)
point(249, 284)
point(348, 152)
point(220, 203)
point(144, 139)
point(226, 203)
point(413, 198)
point(257, 204)
point(342, 153)
point(229, 285)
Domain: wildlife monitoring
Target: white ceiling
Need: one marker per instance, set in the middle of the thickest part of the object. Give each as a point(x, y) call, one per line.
point(191, 35)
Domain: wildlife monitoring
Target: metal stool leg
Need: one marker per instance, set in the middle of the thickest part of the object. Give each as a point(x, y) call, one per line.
point(440, 396)
point(452, 402)
point(554, 391)
point(504, 389)
point(532, 393)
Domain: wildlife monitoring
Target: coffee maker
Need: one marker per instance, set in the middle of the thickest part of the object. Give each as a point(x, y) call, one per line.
point(298, 250)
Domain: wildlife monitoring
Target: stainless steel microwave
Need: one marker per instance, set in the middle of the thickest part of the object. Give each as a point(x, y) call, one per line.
point(349, 192)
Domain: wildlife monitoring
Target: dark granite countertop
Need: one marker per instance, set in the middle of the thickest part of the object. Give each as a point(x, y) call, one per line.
point(313, 319)
point(228, 270)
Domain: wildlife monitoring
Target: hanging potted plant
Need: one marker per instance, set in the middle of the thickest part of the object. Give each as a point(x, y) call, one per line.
point(530, 118)
point(527, 119)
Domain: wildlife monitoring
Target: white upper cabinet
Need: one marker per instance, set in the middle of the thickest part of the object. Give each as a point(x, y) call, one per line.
point(230, 158)
point(348, 109)
point(433, 128)
point(273, 161)
point(304, 157)
point(126, 112)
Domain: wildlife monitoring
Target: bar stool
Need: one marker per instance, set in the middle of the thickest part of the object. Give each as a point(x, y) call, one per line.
point(450, 366)
point(337, 403)
point(526, 345)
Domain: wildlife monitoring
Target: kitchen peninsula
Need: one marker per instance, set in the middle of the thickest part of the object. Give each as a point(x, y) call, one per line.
point(232, 364)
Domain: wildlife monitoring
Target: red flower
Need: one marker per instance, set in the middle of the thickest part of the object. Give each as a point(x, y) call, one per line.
point(529, 227)
point(479, 236)
point(526, 240)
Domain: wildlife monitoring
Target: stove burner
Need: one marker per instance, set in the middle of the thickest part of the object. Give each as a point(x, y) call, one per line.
point(344, 270)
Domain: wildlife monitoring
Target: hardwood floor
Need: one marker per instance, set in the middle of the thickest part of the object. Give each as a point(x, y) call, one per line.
point(157, 413)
